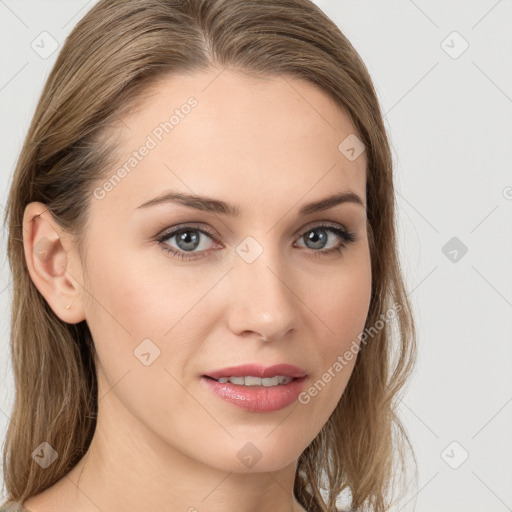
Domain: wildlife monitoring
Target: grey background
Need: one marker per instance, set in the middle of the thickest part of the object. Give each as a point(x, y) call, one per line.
point(449, 118)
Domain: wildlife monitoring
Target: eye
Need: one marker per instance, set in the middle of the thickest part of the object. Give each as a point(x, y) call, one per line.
point(190, 237)
point(318, 237)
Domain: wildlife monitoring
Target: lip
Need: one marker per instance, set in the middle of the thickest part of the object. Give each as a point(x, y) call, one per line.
point(256, 398)
point(256, 370)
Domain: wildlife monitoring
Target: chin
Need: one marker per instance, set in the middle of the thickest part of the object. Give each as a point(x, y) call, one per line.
point(257, 454)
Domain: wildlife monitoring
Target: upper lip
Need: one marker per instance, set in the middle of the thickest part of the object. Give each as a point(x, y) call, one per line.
point(256, 370)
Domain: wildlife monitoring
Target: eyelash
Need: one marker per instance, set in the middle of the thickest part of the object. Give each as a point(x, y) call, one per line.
point(347, 237)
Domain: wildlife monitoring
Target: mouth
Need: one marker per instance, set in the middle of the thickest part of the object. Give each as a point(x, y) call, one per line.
point(257, 375)
point(256, 388)
point(252, 381)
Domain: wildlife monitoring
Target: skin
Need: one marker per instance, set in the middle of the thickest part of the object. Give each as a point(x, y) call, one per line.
point(270, 146)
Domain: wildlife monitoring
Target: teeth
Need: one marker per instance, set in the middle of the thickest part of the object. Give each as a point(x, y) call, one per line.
point(253, 381)
point(256, 381)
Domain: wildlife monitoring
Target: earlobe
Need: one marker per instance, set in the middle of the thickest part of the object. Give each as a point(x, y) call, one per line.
point(50, 263)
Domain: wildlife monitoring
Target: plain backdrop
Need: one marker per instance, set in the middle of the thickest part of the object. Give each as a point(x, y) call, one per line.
point(443, 73)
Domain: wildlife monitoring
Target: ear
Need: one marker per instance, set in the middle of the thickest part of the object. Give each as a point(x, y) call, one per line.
point(53, 263)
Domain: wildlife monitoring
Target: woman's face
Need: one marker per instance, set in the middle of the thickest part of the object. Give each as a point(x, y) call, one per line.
point(266, 286)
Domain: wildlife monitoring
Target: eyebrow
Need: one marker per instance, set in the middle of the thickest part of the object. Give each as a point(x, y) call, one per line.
point(212, 205)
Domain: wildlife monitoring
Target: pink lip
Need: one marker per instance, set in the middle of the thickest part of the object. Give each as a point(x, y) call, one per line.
point(255, 370)
point(257, 398)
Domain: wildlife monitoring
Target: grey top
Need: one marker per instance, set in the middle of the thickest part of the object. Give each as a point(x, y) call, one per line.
point(12, 506)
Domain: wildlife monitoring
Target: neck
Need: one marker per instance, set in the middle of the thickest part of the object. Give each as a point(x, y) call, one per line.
point(128, 468)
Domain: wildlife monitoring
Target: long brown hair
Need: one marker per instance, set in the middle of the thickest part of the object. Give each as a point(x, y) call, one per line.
point(110, 59)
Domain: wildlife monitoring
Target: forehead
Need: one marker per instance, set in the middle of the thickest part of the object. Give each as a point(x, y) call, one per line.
point(225, 133)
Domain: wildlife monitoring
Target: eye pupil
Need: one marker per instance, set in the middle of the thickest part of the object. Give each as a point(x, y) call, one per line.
point(184, 237)
point(318, 240)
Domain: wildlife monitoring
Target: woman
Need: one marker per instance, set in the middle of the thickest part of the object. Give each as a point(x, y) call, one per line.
point(207, 292)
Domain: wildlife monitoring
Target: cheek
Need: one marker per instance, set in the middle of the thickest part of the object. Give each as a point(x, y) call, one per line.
point(143, 336)
point(138, 308)
point(121, 310)
point(129, 296)
point(342, 301)
point(341, 307)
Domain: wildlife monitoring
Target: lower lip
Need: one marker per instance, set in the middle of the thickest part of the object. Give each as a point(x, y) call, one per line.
point(257, 398)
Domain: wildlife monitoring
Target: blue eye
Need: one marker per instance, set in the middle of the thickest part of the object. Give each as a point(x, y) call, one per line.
point(188, 239)
point(318, 236)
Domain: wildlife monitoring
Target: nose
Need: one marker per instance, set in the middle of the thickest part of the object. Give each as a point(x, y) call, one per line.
point(262, 303)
